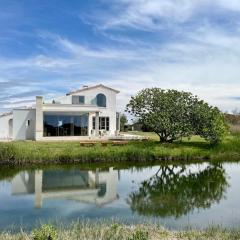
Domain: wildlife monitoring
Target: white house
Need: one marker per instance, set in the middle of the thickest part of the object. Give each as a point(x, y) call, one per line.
point(89, 112)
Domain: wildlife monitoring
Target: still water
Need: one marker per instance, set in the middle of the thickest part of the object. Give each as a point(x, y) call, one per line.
point(175, 196)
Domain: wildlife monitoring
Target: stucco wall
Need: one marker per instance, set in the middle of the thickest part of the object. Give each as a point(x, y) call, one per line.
point(89, 106)
point(110, 110)
point(20, 129)
point(5, 132)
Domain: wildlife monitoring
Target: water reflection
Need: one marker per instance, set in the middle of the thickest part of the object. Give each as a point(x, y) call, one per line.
point(98, 187)
point(175, 196)
point(177, 190)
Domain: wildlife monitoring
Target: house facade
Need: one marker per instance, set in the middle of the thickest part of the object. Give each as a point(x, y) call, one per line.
point(87, 113)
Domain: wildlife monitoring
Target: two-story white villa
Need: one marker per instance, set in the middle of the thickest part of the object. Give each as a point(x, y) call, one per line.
point(89, 112)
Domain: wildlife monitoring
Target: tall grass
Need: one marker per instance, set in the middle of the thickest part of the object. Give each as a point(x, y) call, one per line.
point(115, 231)
point(235, 129)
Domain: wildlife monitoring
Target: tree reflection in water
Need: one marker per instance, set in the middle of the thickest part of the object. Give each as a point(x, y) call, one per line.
point(176, 191)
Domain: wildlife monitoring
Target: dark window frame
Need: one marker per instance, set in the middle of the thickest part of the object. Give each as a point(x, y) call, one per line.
point(104, 123)
point(78, 100)
point(101, 100)
point(81, 99)
point(56, 125)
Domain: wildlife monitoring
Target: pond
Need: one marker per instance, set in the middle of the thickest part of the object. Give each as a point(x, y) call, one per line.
point(175, 196)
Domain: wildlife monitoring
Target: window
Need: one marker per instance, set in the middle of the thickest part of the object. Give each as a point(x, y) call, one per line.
point(75, 100)
point(81, 99)
point(94, 123)
point(103, 123)
point(78, 99)
point(28, 123)
point(65, 125)
point(101, 100)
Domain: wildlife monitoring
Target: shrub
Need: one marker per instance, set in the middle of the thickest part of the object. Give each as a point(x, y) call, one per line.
point(45, 232)
point(139, 235)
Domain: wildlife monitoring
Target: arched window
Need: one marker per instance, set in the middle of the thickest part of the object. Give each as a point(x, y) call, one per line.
point(101, 100)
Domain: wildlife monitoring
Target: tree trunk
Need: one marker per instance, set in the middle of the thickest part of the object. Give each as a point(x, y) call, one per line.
point(164, 138)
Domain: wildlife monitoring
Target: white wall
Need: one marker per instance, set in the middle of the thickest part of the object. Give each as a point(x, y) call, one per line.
point(20, 129)
point(89, 106)
point(4, 126)
point(110, 110)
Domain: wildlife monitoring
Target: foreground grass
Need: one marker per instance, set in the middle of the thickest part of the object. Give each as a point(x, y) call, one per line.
point(107, 231)
point(27, 152)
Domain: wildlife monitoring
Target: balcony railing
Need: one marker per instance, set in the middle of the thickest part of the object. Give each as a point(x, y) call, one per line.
point(89, 100)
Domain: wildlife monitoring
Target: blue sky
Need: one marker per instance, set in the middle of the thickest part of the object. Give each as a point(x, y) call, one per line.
point(50, 47)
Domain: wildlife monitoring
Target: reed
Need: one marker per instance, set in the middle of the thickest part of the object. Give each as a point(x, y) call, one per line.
point(114, 231)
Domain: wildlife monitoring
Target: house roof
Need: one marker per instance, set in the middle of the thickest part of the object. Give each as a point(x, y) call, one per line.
point(89, 88)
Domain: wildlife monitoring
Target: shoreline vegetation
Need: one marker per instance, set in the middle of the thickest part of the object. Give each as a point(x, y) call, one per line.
point(30, 153)
point(114, 231)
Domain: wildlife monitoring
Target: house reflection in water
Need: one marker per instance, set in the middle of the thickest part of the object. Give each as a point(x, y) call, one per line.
point(97, 187)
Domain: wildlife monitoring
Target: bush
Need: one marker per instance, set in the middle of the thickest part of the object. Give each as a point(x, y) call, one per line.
point(45, 232)
point(139, 235)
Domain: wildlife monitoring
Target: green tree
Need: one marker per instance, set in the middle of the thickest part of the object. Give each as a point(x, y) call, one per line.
point(172, 114)
point(123, 122)
point(208, 122)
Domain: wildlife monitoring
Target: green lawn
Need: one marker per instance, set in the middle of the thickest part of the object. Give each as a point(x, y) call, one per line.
point(28, 152)
point(154, 137)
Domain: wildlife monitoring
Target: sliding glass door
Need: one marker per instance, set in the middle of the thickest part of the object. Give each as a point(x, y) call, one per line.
point(65, 125)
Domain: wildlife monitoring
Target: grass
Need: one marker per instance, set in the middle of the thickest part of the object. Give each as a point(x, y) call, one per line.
point(235, 129)
point(151, 135)
point(115, 231)
point(40, 153)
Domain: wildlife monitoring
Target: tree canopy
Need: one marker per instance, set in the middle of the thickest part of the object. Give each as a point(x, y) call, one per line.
point(173, 114)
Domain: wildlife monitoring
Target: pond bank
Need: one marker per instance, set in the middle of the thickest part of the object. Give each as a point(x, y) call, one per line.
point(29, 153)
point(117, 231)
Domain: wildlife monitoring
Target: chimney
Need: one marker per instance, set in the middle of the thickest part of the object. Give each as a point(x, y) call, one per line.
point(39, 118)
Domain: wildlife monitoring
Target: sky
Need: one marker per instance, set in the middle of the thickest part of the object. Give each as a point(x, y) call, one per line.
point(51, 47)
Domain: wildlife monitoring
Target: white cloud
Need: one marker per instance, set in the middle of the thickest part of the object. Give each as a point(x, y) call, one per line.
point(102, 53)
point(148, 14)
point(151, 15)
point(202, 57)
point(233, 5)
point(205, 62)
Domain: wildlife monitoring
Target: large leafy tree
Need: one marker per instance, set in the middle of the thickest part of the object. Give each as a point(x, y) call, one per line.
point(173, 114)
